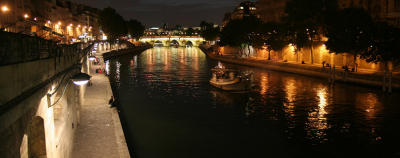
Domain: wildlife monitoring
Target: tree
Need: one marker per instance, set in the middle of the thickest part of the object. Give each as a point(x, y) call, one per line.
point(241, 32)
point(112, 24)
point(307, 18)
point(190, 31)
point(350, 32)
point(208, 31)
point(135, 28)
point(384, 49)
point(298, 38)
point(275, 37)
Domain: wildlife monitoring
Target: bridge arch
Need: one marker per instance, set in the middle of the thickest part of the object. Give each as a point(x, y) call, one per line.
point(37, 138)
point(189, 44)
point(175, 42)
point(158, 43)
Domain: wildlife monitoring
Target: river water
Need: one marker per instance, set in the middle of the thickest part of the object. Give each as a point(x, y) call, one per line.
point(169, 110)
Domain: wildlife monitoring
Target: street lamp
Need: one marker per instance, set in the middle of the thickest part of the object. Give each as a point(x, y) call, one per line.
point(78, 79)
point(91, 58)
point(4, 9)
point(26, 16)
point(81, 79)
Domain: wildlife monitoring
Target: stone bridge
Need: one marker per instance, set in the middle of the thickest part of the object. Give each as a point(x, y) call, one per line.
point(168, 40)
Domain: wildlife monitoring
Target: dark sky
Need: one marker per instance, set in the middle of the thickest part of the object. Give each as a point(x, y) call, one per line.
point(156, 12)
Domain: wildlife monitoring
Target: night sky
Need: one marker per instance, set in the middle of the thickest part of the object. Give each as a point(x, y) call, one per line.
point(157, 12)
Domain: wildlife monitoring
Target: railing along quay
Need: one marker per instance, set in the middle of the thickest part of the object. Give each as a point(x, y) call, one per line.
point(18, 48)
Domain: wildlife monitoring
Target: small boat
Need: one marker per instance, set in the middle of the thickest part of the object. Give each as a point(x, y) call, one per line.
point(229, 80)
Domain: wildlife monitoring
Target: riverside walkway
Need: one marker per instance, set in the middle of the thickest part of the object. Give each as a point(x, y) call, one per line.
point(100, 132)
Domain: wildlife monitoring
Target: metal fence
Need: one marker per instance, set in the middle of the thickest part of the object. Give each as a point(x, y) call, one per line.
point(17, 48)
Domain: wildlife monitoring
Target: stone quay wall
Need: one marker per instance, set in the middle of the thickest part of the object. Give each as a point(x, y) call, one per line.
point(32, 68)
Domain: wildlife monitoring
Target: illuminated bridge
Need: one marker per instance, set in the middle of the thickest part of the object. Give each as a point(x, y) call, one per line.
point(173, 40)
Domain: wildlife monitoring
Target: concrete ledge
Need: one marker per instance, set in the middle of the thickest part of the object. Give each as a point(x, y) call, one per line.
point(117, 53)
point(120, 136)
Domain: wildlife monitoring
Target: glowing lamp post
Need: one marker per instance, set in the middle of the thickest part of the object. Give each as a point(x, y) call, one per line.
point(91, 58)
point(5, 9)
point(78, 79)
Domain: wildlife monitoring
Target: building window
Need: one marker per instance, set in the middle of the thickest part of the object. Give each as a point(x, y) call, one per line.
point(396, 6)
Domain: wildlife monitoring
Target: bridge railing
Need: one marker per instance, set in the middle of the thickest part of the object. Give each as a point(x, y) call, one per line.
point(17, 48)
point(171, 37)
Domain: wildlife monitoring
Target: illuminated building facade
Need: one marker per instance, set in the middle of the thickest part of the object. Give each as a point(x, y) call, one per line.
point(53, 19)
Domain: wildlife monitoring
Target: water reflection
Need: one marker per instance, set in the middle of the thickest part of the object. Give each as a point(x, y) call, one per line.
point(168, 90)
point(317, 118)
point(264, 83)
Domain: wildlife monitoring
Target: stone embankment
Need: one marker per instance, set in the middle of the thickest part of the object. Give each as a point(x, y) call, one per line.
point(361, 77)
point(132, 50)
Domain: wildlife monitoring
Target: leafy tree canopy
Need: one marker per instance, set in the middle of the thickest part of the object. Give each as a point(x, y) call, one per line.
point(208, 31)
point(135, 28)
point(385, 45)
point(240, 31)
point(112, 23)
point(190, 31)
point(350, 32)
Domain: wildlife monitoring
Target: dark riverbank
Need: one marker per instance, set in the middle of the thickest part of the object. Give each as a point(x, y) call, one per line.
point(133, 50)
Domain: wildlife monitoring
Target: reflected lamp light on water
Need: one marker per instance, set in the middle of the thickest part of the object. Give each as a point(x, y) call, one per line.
point(78, 79)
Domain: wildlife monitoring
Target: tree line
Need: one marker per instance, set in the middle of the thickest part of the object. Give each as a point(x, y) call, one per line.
point(350, 30)
point(115, 26)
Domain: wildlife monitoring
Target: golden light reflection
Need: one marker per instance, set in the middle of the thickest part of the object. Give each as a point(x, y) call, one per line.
point(317, 121)
point(149, 58)
point(166, 60)
point(322, 94)
point(132, 66)
point(264, 83)
point(289, 106)
point(196, 59)
point(371, 103)
point(290, 90)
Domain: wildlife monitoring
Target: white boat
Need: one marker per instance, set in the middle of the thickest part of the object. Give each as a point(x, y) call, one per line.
point(229, 80)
